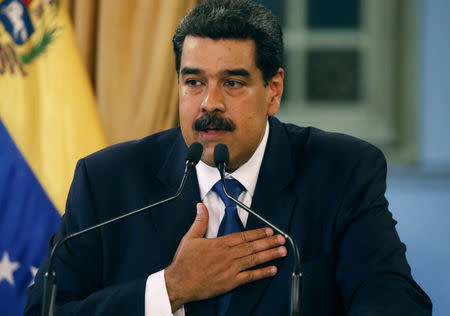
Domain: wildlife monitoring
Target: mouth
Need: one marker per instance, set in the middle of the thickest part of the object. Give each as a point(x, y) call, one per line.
point(212, 129)
point(212, 132)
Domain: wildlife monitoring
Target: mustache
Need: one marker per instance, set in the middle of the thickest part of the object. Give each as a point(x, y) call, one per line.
point(213, 121)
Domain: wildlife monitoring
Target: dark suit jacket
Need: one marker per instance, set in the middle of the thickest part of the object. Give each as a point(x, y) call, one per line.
point(326, 189)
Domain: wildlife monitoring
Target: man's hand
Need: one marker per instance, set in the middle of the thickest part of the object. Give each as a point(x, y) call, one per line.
point(203, 268)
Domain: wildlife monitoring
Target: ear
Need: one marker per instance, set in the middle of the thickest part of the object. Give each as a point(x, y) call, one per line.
point(275, 90)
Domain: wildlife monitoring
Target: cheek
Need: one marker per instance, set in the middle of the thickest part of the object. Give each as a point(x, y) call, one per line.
point(187, 109)
point(186, 120)
point(189, 104)
point(186, 130)
point(182, 114)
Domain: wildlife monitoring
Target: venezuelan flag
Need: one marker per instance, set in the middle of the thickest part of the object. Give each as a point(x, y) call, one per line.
point(48, 120)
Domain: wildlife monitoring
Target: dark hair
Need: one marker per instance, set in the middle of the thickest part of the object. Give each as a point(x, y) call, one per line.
point(235, 19)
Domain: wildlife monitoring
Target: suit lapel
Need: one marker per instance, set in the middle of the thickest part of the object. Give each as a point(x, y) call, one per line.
point(273, 201)
point(172, 220)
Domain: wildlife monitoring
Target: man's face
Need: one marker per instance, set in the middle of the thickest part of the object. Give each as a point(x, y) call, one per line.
point(223, 98)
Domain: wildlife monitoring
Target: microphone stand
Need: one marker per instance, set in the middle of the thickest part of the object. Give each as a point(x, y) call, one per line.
point(48, 299)
point(297, 276)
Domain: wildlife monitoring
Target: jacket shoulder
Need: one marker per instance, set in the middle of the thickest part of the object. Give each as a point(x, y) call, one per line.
point(137, 161)
point(330, 146)
point(150, 150)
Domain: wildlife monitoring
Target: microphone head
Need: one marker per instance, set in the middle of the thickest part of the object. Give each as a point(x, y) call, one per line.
point(221, 155)
point(195, 153)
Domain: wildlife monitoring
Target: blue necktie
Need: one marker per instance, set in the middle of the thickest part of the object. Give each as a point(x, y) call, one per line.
point(231, 223)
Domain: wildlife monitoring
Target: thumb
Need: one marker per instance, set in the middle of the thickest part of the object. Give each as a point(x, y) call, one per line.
point(198, 228)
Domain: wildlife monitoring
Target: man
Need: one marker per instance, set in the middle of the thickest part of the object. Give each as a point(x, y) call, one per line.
point(326, 189)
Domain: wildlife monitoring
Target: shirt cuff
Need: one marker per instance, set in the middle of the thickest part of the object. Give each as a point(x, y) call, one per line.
point(157, 301)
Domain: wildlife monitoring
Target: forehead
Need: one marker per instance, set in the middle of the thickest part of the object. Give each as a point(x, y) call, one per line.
point(212, 55)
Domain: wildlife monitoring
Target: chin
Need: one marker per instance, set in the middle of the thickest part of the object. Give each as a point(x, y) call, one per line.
point(208, 155)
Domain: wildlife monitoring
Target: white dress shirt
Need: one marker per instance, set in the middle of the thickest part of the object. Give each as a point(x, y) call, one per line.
point(157, 301)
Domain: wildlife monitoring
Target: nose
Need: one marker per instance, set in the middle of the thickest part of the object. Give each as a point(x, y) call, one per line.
point(214, 100)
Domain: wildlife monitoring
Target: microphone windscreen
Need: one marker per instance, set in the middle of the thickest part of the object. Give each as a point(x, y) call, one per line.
point(221, 155)
point(195, 153)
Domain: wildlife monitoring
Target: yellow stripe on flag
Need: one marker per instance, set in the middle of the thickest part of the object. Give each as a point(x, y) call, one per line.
point(47, 103)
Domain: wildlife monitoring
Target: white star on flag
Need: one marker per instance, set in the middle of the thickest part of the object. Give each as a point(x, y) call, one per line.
point(7, 269)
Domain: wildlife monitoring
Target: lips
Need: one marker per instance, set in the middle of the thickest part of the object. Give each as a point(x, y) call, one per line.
point(212, 129)
point(212, 133)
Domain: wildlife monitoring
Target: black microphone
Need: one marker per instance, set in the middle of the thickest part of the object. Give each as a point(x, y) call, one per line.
point(48, 300)
point(221, 160)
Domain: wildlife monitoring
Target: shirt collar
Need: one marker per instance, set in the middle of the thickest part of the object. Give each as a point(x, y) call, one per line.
point(247, 174)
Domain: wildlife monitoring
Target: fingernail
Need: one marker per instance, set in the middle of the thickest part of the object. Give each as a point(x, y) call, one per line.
point(269, 232)
point(282, 251)
point(273, 270)
point(280, 239)
point(199, 209)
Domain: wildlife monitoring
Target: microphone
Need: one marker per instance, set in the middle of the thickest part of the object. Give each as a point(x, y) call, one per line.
point(48, 300)
point(221, 160)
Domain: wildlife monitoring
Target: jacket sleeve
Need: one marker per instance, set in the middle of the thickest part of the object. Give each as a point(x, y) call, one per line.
point(372, 273)
point(78, 264)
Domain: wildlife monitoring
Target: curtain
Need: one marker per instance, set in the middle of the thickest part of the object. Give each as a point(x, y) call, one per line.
point(127, 48)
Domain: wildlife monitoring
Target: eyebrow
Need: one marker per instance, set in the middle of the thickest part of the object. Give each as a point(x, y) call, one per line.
point(190, 71)
point(228, 72)
point(237, 72)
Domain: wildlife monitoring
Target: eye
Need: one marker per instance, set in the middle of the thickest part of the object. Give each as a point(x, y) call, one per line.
point(234, 84)
point(193, 82)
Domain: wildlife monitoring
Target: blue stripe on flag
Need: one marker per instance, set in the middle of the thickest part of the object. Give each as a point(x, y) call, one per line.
point(27, 220)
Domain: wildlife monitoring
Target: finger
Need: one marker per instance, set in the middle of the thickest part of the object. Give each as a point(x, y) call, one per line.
point(256, 246)
point(253, 275)
point(255, 259)
point(198, 227)
point(246, 236)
